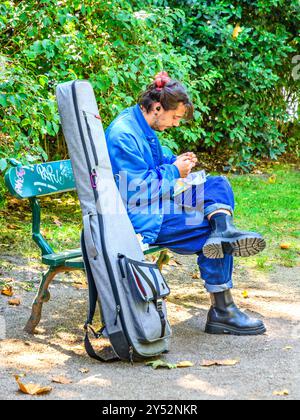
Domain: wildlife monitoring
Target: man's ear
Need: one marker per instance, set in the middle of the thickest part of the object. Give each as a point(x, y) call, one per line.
point(157, 106)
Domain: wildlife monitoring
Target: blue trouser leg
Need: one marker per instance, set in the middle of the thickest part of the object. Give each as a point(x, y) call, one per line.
point(183, 237)
point(217, 274)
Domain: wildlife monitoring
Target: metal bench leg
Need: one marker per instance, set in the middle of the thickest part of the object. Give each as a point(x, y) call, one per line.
point(42, 296)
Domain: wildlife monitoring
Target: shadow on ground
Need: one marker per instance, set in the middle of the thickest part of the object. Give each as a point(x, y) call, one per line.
point(266, 364)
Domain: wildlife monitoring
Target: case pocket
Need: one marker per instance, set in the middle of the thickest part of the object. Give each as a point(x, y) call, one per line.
point(148, 280)
point(149, 290)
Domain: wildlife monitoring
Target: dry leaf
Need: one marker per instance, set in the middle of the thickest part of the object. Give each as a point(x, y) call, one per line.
point(173, 263)
point(12, 227)
point(80, 286)
point(209, 363)
point(288, 348)
point(32, 389)
point(283, 393)
point(57, 222)
point(14, 302)
point(272, 179)
point(161, 364)
point(7, 291)
point(196, 276)
point(185, 364)
point(83, 370)
point(237, 30)
point(285, 246)
point(61, 380)
point(245, 294)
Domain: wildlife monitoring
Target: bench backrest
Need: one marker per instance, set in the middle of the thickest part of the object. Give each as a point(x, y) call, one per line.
point(31, 182)
point(41, 179)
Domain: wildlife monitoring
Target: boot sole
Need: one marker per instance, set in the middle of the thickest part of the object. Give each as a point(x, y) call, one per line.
point(244, 246)
point(222, 329)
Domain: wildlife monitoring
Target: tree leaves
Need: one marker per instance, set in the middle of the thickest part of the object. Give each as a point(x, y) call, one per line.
point(235, 78)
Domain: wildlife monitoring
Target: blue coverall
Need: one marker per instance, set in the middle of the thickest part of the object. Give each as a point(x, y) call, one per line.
point(135, 152)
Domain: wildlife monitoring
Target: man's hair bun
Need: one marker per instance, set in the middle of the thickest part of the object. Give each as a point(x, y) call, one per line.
point(161, 79)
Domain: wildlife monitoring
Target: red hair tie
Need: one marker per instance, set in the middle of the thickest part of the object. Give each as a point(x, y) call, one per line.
point(161, 79)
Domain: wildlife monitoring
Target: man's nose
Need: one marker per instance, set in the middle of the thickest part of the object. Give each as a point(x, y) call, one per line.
point(176, 123)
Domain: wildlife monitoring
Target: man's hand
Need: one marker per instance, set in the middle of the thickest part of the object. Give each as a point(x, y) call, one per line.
point(190, 155)
point(185, 164)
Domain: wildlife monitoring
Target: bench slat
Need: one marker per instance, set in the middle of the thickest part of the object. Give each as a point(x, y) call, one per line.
point(75, 263)
point(73, 258)
point(57, 259)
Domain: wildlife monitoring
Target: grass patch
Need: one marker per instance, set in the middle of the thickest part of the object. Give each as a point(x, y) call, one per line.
point(61, 225)
point(267, 202)
point(270, 204)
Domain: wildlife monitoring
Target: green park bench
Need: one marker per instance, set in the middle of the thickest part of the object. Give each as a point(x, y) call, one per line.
point(31, 183)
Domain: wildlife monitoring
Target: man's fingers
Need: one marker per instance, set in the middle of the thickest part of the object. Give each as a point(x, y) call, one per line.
point(189, 155)
point(184, 158)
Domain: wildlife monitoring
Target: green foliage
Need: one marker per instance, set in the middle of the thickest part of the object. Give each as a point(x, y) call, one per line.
point(116, 46)
point(241, 79)
point(236, 83)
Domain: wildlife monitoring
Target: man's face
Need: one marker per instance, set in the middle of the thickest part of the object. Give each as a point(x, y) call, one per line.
point(169, 119)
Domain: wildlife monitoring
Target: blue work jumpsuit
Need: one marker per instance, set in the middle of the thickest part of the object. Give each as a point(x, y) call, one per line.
point(148, 178)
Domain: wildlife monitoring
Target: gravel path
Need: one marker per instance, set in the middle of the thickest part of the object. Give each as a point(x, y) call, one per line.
point(266, 364)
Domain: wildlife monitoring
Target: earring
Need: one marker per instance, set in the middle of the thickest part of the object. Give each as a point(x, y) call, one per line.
point(158, 108)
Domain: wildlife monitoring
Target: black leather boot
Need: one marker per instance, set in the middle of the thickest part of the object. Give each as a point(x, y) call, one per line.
point(227, 239)
point(224, 317)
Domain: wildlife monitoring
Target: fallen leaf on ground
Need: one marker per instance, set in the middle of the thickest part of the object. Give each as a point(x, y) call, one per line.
point(288, 348)
point(12, 227)
point(209, 363)
point(57, 222)
point(32, 389)
point(245, 294)
point(272, 179)
point(173, 263)
point(80, 286)
point(283, 393)
point(83, 370)
point(7, 291)
point(185, 364)
point(61, 380)
point(14, 302)
point(161, 364)
point(196, 276)
point(285, 246)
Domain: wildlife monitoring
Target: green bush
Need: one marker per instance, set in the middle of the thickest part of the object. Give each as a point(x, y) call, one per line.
point(236, 82)
point(118, 49)
point(243, 52)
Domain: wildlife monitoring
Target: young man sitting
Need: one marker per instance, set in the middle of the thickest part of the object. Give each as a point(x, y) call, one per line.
point(146, 180)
